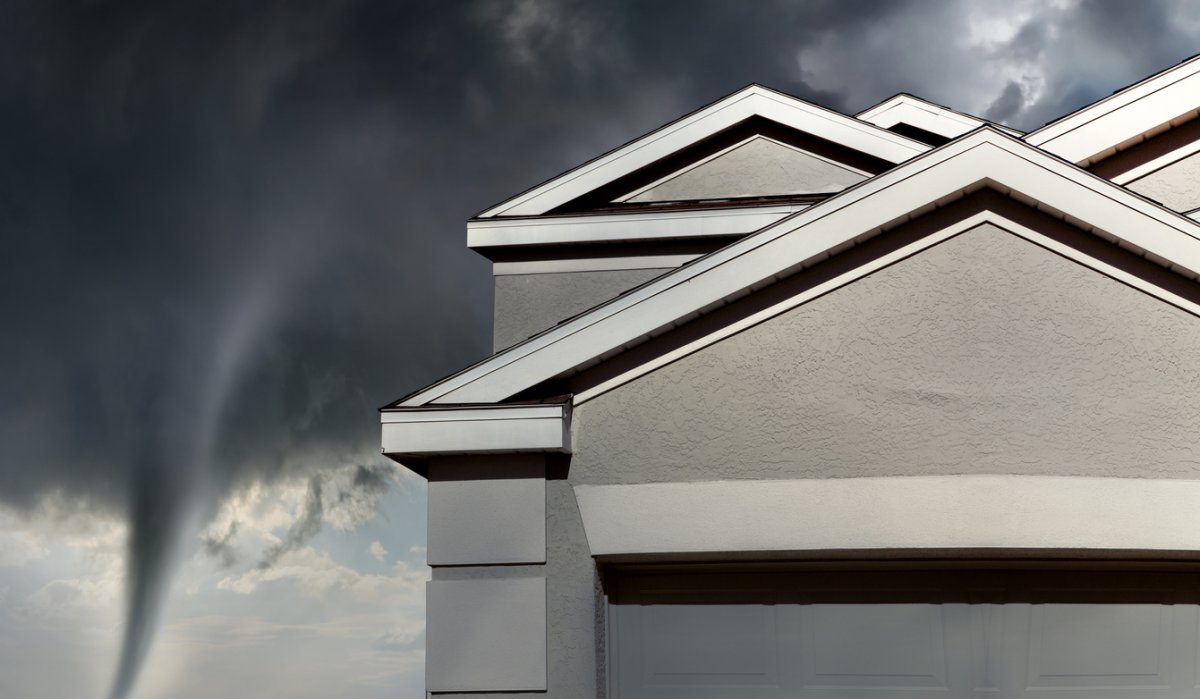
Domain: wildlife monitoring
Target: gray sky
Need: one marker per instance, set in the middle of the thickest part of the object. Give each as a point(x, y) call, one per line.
point(230, 231)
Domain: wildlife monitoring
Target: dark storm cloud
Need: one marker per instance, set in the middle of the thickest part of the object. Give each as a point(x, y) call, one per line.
point(308, 167)
point(363, 490)
point(229, 231)
point(221, 547)
point(1007, 105)
point(1094, 47)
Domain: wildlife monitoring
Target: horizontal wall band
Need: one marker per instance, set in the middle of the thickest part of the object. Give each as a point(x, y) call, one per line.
point(910, 513)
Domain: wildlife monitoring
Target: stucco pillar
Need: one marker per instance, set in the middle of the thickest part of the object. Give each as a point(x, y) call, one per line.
point(486, 604)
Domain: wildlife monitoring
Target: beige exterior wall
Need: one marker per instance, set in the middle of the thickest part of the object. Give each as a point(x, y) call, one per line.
point(984, 354)
point(1176, 186)
point(527, 304)
point(758, 167)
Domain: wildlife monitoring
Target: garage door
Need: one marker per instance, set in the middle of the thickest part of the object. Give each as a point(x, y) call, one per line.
point(871, 633)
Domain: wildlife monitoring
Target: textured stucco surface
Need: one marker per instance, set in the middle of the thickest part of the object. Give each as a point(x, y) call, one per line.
point(1177, 186)
point(984, 354)
point(757, 168)
point(527, 304)
point(574, 619)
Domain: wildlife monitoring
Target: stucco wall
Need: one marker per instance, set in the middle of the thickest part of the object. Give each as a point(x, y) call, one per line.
point(757, 168)
point(526, 304)
point(985, 354)
point(1177, 186)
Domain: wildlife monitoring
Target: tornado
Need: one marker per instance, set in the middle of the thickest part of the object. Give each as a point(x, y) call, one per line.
point(172, 478)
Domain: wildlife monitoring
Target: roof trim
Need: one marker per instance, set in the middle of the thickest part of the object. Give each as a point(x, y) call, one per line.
point(753, 100)
point(984, 158)
point(904, 108)
point(479, 429)
point(626, 226)
point(1125, 117)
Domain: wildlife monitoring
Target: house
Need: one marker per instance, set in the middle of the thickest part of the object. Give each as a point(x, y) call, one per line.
point(790, 403)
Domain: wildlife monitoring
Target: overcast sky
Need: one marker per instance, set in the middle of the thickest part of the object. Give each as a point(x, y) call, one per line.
point(230, 231)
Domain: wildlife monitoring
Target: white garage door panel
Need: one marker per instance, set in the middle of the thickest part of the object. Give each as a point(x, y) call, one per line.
point(1094, 646)
point(790, 650)
point(727, 644)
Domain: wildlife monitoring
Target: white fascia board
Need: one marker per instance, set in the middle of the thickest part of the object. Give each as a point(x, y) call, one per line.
point(752, 101)
point(625, 227)
point(896, 196)
point(914, 111)
point(591, 264)
point(907, 513)
point(485, 429)
point(1095, 130)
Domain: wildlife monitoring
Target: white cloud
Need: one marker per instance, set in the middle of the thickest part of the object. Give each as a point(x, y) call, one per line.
point(261, 522)
point(72, 557)
point(59, 522)
point(71, 600)
point(355, 493)
point(316, 573)
point(19, 547)
point(378, 551)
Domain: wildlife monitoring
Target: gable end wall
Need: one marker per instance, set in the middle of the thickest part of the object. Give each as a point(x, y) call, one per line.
point(983, 354)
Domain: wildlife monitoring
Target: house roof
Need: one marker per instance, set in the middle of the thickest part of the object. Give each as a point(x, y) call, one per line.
point(904, 108)
point(749, 102)
point(1124, 118)
point(986, 158)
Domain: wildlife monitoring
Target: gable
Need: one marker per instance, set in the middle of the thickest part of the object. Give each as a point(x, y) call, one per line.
point(751, 103)
point(759, 166)
point(984, 353)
